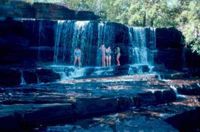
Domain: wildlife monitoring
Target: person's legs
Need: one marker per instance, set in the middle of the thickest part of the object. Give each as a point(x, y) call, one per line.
point(106, 60)
point(75, 60)
point(118, 62)
point(109, 60)
point(79, 61)
point(103, 60)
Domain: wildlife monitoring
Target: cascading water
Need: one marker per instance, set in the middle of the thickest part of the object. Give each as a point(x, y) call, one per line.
point(89, 35)
point(23, 82)
point(138, 49)
point(58, 32)
point(106, 36)
point(142, 46)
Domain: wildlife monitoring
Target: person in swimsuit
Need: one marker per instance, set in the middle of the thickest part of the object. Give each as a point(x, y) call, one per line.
point(103, 54)
point(108, 56)
point(118, 55)
point(77, 56)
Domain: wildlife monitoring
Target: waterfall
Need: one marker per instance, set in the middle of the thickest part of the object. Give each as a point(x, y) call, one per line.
point(101, 32)
point(58, 32)
point(152, 43)
point(138, 47)
point(23, 82)
point(106, 35)
point(69, 35)
point(81, 39)
point(142, 45)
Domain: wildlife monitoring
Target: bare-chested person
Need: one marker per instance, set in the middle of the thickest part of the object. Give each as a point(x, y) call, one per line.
point(108, 56)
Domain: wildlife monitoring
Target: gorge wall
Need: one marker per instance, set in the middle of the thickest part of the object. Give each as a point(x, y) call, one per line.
point(30, 42)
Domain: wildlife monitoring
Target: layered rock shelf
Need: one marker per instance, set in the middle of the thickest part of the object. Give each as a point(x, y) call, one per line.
point(36, 106)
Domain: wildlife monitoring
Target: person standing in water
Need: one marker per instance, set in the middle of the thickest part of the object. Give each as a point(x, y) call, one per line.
point(103, 54)
point(108, 56)
point(77, 56)
point(118, 55)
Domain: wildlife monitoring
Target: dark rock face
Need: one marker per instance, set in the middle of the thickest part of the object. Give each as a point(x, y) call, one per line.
point(190, 90)
point(170, 48)
point(170, 58)
point(168, 38)
point(47, 75)
point(20, 9)
point(30, 77)
point(13, 77)
point(27, 43)
point(187, 121)
point(155, 98)
point(191, 59)
point(14, 42)
point(9, 77)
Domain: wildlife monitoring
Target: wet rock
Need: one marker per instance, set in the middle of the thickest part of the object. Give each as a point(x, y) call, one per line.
point(9, 77)
point(163, 41)
point(30, 77)
point(159, 96)
point(173, 58)
point(49, 115)
point(121, 70)
point(147, 98)
point(30, 116)
point(169, 96)
point(124, 103)
point(153, 98)
point(145, 68)
point(102, 128)
point(193, 89)
point(65, 128)
point(142, 123)
point(187, 121)
point(95, 106)
point(47, 75)
point(165, 96)
point(173, 75)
